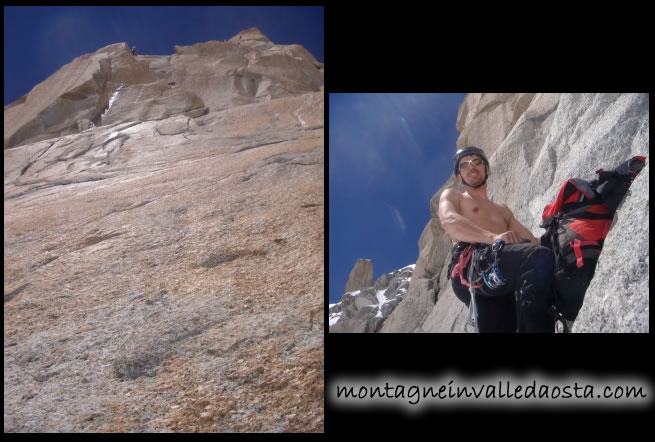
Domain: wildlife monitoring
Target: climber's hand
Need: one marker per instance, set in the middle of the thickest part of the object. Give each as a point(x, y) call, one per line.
point(509, 237)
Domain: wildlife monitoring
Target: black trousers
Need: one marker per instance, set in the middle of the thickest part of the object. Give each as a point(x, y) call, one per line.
point(524, 302)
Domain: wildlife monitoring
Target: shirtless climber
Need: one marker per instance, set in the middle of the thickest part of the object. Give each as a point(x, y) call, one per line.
point(513, 280)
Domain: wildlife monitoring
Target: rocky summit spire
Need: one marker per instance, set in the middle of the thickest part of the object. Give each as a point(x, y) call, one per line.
point(250, 34)
point(361, 275)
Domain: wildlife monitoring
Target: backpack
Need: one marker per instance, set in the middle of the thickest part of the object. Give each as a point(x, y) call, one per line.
point(576, 224)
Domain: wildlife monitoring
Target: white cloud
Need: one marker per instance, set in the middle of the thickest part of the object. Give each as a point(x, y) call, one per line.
point(399, 218)
point(412, 146)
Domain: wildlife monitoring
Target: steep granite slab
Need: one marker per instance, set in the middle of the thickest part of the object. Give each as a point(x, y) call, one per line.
point(171, 266)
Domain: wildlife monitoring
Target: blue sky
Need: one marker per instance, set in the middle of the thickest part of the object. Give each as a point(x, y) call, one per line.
point(388, 155)
point(41, 39)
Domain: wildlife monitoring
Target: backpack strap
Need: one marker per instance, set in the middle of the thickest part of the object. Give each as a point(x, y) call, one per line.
point(577, 248)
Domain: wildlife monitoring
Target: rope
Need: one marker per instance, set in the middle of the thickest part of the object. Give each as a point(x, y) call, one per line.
point(473, 311)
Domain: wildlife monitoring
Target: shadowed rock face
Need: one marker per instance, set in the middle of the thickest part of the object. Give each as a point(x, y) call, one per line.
point(163, 260)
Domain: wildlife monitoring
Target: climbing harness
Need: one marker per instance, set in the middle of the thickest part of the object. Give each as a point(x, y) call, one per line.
point(490, 276)
point(459, 268)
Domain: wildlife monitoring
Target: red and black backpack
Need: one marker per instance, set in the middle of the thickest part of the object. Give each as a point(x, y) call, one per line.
point(577, 223)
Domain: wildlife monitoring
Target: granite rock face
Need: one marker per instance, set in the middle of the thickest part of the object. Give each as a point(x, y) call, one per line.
point(163, 268)
point(113, 86)
point(360, 276)
point(535, 142)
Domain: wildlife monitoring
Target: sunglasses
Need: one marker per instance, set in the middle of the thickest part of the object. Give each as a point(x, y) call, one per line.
point(465, 164)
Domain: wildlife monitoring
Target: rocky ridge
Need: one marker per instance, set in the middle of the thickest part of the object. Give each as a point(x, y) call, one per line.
point(164, 266)
point(366, 309)
point(113, 86)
